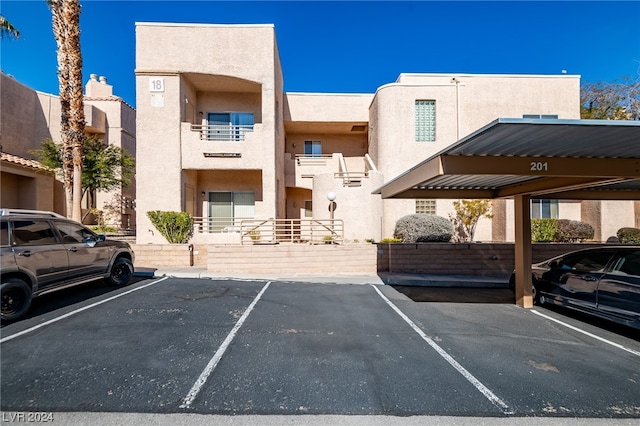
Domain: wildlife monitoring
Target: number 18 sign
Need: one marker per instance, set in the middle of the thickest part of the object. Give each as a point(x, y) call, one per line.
point(156, 84)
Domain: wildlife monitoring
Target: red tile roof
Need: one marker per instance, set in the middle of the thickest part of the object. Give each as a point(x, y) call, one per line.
point(14, 159)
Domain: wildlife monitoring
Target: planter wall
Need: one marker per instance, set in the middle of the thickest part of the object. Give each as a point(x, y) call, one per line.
point(170, 254)
point(481, 259)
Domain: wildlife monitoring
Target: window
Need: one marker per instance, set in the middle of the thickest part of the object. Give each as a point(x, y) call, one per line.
point(229, 126)
point(312, 148)
point(4, 233)
point(72, 233)
point(544, 209)
point(586, 262)
point(32, 232)
point(425, 121)
point(308, 208)
point(425, 206)
point(226, 209)
point(628, 264)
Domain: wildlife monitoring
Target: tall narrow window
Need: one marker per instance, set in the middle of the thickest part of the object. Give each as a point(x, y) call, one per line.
point(544, 209)
point(425, 121)
point(312, 148)
point(229, 126)
point(226, 209)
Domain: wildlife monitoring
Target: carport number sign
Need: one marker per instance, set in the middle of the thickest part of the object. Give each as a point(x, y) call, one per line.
point(539, 166)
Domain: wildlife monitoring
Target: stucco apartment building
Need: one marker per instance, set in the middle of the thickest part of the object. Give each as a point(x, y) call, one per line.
point(28, 117)
point(219, 138)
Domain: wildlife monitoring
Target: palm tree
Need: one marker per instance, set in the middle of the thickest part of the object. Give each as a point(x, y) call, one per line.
point(66, 30)
point(6, 29)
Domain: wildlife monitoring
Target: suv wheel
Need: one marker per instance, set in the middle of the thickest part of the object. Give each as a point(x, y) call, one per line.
point(16, 298)
point(121, 272)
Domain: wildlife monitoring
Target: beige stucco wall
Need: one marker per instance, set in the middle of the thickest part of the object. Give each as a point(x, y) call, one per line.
point(29, 117)
point(240, 71)
point(464, 103)
point(247, 54)
point(25, 188)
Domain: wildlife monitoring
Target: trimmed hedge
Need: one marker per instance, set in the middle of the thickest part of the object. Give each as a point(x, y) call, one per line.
point(423, 228)
point(543, 230)
point(560, 231)
point(629, 235)
point(573, 231)
point(176, 227)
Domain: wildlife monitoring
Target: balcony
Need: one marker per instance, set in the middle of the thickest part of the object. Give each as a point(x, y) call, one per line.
point(206, 147)
point(222, 133)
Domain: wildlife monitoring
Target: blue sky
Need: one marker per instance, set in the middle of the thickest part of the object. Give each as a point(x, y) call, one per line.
point(351, 47)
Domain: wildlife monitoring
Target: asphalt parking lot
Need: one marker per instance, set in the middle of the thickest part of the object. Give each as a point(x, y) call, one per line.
point(256, 347)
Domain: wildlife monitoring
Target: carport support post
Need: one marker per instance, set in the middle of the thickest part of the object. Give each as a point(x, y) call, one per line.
point(522, 210)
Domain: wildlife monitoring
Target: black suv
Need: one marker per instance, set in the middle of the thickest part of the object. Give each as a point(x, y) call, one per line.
point(43, 252)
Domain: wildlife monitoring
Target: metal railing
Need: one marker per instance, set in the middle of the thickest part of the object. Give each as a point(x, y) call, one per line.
point(351, 178)
point(217, 225)
point(312, 160)
point(221, 132)
point(274, 231)
point(310, 231)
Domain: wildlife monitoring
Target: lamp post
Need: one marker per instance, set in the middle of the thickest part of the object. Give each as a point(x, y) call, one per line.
point(331, 196)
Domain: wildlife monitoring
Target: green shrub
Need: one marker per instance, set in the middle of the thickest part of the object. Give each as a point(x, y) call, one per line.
point(543, 230)
point(104, 229)
point(421, 228)
point(572, 231)
point(629, 235)
point(176, 227)
point(391, 240)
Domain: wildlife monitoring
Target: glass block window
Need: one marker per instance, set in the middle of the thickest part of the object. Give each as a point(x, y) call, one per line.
point(425, 206)
point(425, 121)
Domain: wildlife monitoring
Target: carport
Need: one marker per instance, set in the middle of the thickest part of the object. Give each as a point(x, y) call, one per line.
point(527, 159)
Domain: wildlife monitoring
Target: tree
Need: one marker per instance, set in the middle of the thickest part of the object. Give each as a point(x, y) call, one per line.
point(66, 29)
point(618, 100)
point(468, 213)
point(105, 167)
point(6, 29)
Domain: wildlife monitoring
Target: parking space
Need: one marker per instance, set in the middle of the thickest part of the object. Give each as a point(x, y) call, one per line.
point(257, 347)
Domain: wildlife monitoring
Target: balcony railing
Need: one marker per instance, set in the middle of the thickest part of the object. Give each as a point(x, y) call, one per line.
point(351, 178)
point(274, 231)
point(222, 133)
point(313, 160)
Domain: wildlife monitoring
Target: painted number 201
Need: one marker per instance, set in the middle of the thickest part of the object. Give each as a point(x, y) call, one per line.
point(539, 166)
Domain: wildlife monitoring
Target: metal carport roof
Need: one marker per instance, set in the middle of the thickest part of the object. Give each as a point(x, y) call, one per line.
point(567, 159)
point(530, 158)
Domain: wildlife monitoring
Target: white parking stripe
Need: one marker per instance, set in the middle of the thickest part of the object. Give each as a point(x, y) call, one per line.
point(475, 382)
point(195, 389)
point(609, 342)
point(67, 315)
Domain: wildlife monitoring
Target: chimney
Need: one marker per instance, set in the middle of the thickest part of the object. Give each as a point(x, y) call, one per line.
point(97, 87)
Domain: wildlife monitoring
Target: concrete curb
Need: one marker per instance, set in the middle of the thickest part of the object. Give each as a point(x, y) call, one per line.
point(381, 278)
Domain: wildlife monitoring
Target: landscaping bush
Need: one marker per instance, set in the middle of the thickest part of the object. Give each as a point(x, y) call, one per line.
point(390, 240)
point(422, 228)
point(543, 230)
point(572, 231)
point(176, 227)
point(629, 235)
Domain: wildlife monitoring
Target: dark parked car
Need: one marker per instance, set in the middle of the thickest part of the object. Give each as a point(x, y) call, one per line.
point(42, 252)
point(604, 282)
